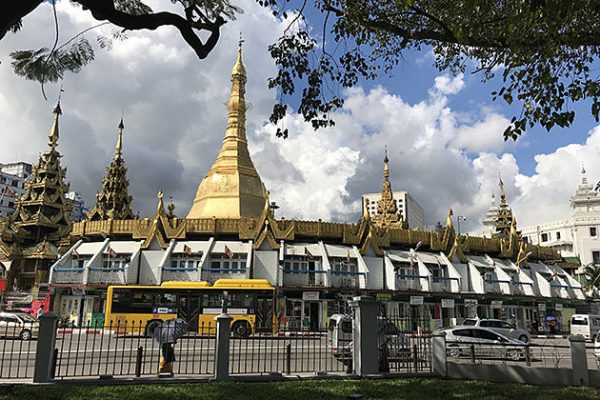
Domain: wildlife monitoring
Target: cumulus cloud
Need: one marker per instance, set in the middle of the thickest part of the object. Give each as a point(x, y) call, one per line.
point(175, 120)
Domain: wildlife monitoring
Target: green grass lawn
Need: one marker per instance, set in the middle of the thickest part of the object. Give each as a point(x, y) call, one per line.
point(409, 389)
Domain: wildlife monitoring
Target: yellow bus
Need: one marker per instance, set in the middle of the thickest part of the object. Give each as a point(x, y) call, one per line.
point(140, 309)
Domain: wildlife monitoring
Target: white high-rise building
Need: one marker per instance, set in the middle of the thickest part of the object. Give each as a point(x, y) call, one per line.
point(411, 211)
point(577, 236)
point(12, 182)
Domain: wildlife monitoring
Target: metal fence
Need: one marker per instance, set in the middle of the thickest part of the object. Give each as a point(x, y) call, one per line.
point(288, 352)
point(128, 349)
point(549, 354)
point(18, 347)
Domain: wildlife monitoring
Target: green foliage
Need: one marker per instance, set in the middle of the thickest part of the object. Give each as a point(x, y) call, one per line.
point(40, 65)
point(543, 51)
point(133, 7)
point(591, 273)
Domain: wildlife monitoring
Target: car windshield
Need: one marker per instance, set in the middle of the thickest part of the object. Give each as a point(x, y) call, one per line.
point(25, 317)
point(469, 322)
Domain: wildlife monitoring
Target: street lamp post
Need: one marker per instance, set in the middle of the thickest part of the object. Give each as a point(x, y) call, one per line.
point(458, 219)
point(273, 206)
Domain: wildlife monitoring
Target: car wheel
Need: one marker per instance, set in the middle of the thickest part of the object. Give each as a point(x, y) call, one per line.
point(453, 352)
point(241, 329)
point(524, 338)
point(25, 334)
point(151, 326)
point(514, 354)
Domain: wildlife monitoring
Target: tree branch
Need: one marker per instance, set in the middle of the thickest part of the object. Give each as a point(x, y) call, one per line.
point(12, 11)
point(105, 10)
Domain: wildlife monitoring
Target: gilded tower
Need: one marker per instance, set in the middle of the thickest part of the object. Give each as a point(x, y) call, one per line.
point(41, 215)
point(114, 201)
point(505, 219)
point(387, 209)
point(232, 187)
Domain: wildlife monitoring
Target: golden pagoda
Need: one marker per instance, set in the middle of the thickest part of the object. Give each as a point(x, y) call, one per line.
point(505, 220)
point(387, 209)
point(114, 201)
point(41, 216)
point(232, 189)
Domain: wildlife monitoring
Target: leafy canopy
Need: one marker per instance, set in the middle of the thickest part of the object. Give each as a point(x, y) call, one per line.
point(542, 52)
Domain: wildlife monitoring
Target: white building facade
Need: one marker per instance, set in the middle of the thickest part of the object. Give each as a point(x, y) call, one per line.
point(12, 181)
point(408, 207)
point(577, 236)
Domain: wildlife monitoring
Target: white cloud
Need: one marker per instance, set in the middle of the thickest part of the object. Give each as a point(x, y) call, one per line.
point(446, 84)
point(175, 120)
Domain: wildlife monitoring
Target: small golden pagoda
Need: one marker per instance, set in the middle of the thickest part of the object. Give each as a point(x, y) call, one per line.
point(505, 220)
point(114, 201)
point(41, 219)
point(387, 209)
point(232, 188)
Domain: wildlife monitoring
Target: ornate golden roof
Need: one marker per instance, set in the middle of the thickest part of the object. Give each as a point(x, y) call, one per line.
point(232, 188)
point(41, 212)
point(387, 209)
point(505, 221)
point(114, 201)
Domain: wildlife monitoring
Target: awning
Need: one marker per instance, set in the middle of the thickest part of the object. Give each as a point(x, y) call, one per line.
point(479, 262)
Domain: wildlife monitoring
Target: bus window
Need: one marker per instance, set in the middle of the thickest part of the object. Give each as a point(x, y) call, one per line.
point(240, 300)
point(165, 300)
point(211, 299)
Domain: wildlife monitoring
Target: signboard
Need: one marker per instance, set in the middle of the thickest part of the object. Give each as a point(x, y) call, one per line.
point(416, 300)
point(471, 302)
point(383, 297)
point(447, 303)
point(542, 306)
point(497, 304)
point(310, 296)
point(164, 310)
point(78, 291)
point(558, 307)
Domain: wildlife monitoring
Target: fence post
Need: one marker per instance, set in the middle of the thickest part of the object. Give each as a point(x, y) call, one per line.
point(579, 361)
point(222, 347)
point(439, 360)
point(365, 354)
point(44, 353)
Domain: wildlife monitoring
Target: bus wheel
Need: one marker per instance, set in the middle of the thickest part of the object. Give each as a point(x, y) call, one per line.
point(151, 326)
point(241, 329)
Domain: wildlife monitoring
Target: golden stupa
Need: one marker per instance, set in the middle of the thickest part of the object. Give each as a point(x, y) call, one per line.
point(232, 188)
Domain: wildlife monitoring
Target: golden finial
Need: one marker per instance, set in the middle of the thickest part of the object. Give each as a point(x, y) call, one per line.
point(160, 208)
point(53, 135)
point(239, 70)
point(449, 223)
point(119, 147)
point(503, 202)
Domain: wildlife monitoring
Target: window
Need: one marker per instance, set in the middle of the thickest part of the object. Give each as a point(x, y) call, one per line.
point(221, 261)
point(463, 332)
point(119, 261)
point(593, 231)
point(404, 269)
point(185, 261)
point(80, 261)
point(557, 235)
point(15, 183)
point(526, 239)
point(297, 264)
point(596, 257)
point(545, 237)
point(469, 321)
point(506, 325)
point(343, 265)
point(486, 335)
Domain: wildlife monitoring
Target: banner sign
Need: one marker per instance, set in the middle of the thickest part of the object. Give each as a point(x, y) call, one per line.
point(447, 303)
point(416, 300)
point(496, 304)
point(471, 302)
point(383, 297)
point(310, 296)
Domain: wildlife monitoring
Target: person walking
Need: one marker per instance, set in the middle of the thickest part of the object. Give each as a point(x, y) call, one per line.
point(167, 358)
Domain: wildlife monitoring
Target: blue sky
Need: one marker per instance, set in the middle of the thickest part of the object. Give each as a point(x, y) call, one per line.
point(443, 134)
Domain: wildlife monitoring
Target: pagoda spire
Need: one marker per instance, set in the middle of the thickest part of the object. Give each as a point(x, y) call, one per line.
point(505, 221)
point(387, 209)
point(114, 201)
point(232, 187)
point(42, 212)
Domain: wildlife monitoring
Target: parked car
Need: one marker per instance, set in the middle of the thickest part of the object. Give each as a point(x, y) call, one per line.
point(597, 347)
point(18, 324)
point(487, 343)
point(500, 326)
point(391, 341)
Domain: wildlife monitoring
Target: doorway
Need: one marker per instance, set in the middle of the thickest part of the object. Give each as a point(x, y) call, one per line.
point(189, 310)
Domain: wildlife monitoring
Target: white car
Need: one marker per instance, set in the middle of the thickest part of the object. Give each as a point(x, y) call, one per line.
point(20, 325)
point(502, 327)
point(486, 344)
point(597, 347)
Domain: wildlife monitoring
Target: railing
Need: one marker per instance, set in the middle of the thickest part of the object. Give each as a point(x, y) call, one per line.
point(548, 354)
point(346, 279)
point(304, 278)
point(288, 352)
point(400, 351)
point(496, 286)
point(128, 349)
point(409, 282)
point(18, 343)
point(444, 284)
